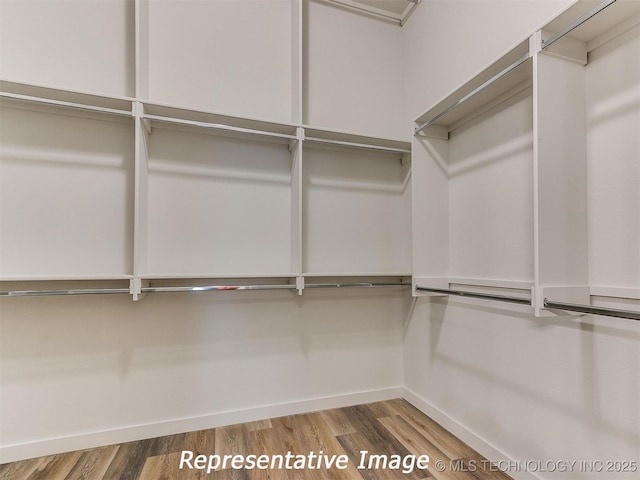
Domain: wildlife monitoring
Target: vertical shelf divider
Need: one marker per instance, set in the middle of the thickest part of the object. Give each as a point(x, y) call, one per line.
point(142, 49)
point(560, 176)
point(296, 147)
point(142, 132)
point(140, 202)
point(296, 61)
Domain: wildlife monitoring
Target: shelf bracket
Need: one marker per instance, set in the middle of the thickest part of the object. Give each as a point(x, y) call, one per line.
point(146, 124)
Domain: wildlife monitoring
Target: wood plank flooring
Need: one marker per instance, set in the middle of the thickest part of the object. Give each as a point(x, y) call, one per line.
point(384, 428)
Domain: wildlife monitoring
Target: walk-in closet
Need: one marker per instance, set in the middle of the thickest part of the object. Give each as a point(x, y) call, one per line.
point(323, 228)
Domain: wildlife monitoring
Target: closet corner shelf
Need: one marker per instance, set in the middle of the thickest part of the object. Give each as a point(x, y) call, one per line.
point(45, 95)
point(319, 137)
point(398, 11)
point(356, 274)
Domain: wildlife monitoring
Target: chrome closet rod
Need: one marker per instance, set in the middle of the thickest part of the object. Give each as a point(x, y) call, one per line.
point(485, 296)
point(212, 288)
point(79, 291)
point(576, 23)
point(218, 126)
point(473, 92)
point(609, 312)
point(358, 285)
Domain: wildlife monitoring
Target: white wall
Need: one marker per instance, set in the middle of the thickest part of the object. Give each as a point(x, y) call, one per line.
point(562, 388)
point(39, 44)
point(533, 388)
point(614, 169)
point(223, 56)
point(352, 72)
point(80, 365)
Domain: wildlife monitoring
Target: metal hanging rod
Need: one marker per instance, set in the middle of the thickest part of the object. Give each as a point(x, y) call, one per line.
point(358, 145)
point(485, 296)
point(355, 285)
point(473, 92)
point(212, 288)
point(60, 103)
point(576, 23)
point(217, 126)
point(79, 291)
point(609, 312)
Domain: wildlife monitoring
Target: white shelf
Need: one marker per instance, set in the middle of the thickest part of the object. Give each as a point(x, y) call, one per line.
point(320, 137)
point(216, 275)
point(615, 292)
point(508, 75)
point(356, 274)
point(63, 278)
point(397, 10)
point(66, 98)
point(491, 283)
point(613, 19)
point(219, 124)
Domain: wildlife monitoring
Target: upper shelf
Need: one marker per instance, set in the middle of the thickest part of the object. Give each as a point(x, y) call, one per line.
point(218, 124)
point(44, 95)
point(590, 20)
point(395, 10)
point(511, 72)
point(315, 136)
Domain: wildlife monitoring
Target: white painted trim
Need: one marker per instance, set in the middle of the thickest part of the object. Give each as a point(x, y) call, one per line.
point(472, 439)
point(12, 453)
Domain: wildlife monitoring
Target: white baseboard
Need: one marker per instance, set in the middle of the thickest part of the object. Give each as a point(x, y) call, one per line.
point(12, 453)
point(475, 441)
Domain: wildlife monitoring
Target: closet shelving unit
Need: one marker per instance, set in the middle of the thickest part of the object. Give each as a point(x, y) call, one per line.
point(168, 198)
point(68, 170)
point(219, 201)
point(584, 122)
point(472, 210)
point(355, 209)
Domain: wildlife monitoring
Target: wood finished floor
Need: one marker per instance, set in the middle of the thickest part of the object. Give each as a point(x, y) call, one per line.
point(384, 428)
